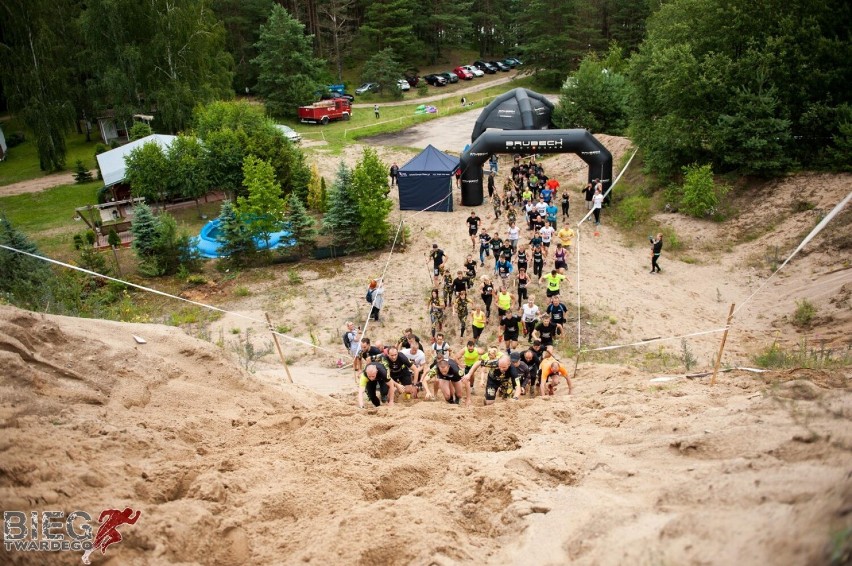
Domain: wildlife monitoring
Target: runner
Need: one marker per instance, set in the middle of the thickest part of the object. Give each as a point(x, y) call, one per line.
point(510, 324)
point(375, 375)
point(514, 233)
point(566, 204)
point(550, 373)
point(468, 357)
point(448, 287)
point(597, 204)
point(545, 331)
point(560, 257)
point(470, 266)
point(557, 311)
point(523, 371)
point(462, 310)
point(523, 281)
point(400, 371)
point(546, 232)
point(503, 270)
point(460, 283)
point(530, 359)
point(436, 312)
point(473, 225)
point(487, 293)
point(504, 302)
point(408, 337)
point(477, 321)
point(529, 317)
point(554, 280)
point(496, 247)
point(440, 347)
point(551, 214)
point(538, 262)
point(496, 203)
point(566, 237)
point(451, 381)
point(656, 250)
point(502, 380)
point(522, 257)
point(438, 258)
point(484, 246)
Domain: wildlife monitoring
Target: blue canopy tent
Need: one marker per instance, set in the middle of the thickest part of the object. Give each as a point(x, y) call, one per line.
point(426, 180)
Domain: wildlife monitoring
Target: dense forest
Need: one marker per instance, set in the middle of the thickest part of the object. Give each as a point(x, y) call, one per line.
point(758, 87)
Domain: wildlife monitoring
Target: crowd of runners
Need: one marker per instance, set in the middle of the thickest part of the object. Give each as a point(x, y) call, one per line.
point(508, 289)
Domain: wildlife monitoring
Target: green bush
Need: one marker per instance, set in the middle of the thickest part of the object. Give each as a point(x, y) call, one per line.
point(632, 210)
point(701, 196)
point(804, 313)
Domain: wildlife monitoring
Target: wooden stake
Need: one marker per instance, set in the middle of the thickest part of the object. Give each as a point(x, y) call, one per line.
point(722, 345)
point(278, 346)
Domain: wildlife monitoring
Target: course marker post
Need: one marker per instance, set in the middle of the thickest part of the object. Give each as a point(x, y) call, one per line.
point(722, 345)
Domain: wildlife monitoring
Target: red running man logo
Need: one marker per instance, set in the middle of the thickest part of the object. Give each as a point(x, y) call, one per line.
point(108, 533)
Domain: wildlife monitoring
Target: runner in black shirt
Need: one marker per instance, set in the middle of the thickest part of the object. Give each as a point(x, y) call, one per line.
point(546, 331)
point(470, 266)
point(473, 222)
point(451, 382)
point(438, 258)
point(484, 246)
point(566, 204)
point(399, 370)
point(496, 244)
point(522, 258)
point(487, 295)
point(375, 375)
point(557, 310)
point(538, 261)
point(511, 324)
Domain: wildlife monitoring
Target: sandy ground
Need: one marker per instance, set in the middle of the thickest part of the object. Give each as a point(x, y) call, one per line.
point(230, 467)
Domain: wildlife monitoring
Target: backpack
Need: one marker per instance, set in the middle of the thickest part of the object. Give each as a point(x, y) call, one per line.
point(369, 296)
point(346, 341)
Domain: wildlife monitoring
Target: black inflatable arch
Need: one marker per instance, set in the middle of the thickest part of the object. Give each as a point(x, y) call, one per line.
point(522, 118)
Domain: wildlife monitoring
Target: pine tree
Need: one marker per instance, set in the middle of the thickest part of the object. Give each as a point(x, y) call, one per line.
point(343, 219)
point(301, 224)
point(316, 190)
point(237, 243)
point(370, 184)
point(81, 173)
point(288, 72)
point(24, 281)
point(144, 229)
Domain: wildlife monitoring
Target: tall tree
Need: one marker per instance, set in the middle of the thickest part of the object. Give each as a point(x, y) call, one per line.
point(187, 164)
point(494, 26)
point(163, 54)
point(288, 73)
point(553, 49)
point(343, 219)
point(370, 185)
point(236, 241)
point(384, 70)
point(443, 24)
point(594, 98)
point(300, 224)
point(24, 281)
point(242, 20)
point(337, 22)
point(390, 23)
point(263, 208)
point(36, 37)
point(147, 171)
point(741, 85)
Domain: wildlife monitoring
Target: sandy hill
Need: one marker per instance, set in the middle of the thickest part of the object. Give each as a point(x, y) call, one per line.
point(229, 467)
point(227, 470)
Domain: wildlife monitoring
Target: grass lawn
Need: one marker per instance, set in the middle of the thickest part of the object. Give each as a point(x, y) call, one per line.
point(22, 161)
point(47, 217)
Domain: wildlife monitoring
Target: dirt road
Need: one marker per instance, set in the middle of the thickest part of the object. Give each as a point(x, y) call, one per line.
point(432, 98)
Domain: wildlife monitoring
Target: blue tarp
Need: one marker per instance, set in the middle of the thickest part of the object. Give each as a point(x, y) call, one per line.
point(427, 179)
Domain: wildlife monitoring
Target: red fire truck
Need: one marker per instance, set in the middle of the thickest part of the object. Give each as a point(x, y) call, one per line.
point(325, 110)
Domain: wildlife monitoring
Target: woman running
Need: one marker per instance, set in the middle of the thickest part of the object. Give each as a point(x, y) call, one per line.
point(560, 255)
point(523, 281)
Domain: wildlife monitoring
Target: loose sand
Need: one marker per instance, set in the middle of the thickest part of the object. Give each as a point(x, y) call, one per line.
point(229, 467)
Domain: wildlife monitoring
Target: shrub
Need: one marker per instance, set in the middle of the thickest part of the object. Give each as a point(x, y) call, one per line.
point(632, 210)
point(701, 196)
point(81, 173)
point(804, 313)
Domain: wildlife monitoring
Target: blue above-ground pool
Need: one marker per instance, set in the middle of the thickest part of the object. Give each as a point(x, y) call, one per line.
point(208, 244)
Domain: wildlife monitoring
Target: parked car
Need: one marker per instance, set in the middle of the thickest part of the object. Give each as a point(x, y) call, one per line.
point(435, 80)
point(515, 61)
point(413, 80)
point(487, 68)
point(476, 72)
point(333, 95)
point(289, 133)
point(403, 85)
point(501, 66)
point(368, 87)
point(463, 73)
point(451, 77)
point(510, 62)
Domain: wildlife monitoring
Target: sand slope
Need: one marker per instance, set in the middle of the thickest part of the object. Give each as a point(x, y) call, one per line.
point(227, 470)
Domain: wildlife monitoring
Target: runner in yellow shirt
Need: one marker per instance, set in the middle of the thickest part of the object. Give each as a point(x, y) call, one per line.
point(554, 279)
point(566, 237)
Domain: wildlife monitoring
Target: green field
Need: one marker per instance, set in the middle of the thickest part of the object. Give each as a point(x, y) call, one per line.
point(22, 161)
